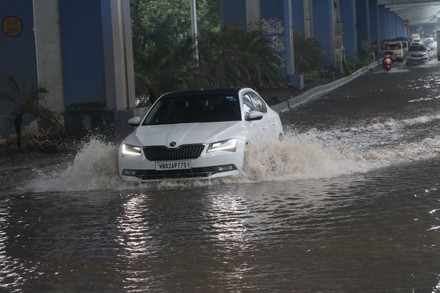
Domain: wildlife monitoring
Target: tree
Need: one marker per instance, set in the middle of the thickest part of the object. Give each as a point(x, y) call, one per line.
point(154, 21)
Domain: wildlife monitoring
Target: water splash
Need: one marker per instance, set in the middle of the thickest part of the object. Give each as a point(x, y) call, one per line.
point(310, 155)
point(93, 168)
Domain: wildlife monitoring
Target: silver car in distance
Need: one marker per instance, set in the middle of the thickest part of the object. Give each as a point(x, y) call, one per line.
point(197, 134)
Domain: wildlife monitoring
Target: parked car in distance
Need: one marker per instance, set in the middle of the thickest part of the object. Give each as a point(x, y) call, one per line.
point(197, 134)
point(418, 53)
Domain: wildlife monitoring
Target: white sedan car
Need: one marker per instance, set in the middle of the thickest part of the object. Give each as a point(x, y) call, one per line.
point(197, 134)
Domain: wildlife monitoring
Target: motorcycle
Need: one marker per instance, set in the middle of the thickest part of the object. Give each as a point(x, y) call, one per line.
point(386, 61)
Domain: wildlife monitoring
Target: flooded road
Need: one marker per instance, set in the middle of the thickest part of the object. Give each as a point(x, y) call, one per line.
point(348, 202)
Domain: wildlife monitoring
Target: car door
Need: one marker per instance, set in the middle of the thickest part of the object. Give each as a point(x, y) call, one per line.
point(261, 129)
point(270, 118)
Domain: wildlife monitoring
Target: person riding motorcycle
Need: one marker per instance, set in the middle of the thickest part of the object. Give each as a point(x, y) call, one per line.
point(387, 61)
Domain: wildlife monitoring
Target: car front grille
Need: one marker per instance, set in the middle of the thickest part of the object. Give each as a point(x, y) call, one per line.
point(183, 152)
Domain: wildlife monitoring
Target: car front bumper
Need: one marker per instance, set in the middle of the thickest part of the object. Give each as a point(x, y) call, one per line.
point(208, 165)
point(412, 59)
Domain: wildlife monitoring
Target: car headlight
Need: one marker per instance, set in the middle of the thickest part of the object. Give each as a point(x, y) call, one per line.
point(228, 145)
point(130, 150)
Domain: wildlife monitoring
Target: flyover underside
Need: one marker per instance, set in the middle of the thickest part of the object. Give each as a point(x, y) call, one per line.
point(414, 12)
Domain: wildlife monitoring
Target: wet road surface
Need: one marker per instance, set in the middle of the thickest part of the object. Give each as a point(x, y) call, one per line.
point(348, 202)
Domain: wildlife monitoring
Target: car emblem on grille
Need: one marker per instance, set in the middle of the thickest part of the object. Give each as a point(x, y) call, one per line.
point(172, 144)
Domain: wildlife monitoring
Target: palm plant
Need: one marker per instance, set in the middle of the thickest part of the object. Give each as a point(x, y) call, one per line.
point(28, 99)
point(162, 68)
point(236, 58)
point(227, 58)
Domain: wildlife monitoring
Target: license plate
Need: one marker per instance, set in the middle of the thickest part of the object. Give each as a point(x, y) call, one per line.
point(178, 165)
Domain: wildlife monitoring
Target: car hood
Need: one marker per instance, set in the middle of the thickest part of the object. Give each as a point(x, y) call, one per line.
point(185, 133)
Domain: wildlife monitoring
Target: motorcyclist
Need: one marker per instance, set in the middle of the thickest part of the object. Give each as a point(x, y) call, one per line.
point(387, 61)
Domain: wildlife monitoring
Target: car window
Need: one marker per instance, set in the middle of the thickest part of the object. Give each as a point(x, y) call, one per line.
point(260, 105)
point(191, 108)
point(248, 105)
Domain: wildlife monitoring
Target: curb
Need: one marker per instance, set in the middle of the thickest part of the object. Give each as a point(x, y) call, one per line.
point(318, 91)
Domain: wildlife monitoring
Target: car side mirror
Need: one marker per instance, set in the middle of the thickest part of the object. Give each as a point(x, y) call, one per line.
point(135, 121)
point(254, 115)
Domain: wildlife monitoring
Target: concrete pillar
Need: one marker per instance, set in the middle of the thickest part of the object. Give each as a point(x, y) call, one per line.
point(323, 19)
point(119, 71)
point(363, 26)
point(271, 9)
point(348, 19)
point(48, 52)
point(298, 17)
point(232, 14)
point(374, 21)
point(382, 11)
point(253, 11)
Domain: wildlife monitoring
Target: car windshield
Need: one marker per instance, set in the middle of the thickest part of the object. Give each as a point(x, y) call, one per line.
point(415, 48)
point(189, 108)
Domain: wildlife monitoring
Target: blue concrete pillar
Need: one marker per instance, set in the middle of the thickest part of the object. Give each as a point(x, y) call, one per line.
point(298, 17)
point(233, 14)
point(292, 78)
point(97, 68)
point(374, 21)
point(389, 24)
point(348, 20)
point(324, 29)
point(82, 52)
point(363, 26)
point(272, 9)
point(382, 13)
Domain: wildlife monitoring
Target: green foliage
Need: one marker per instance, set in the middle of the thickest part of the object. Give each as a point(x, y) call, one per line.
point(163, 67)
point(238, 58)
point(226, 58)
point(26, 98)
point(319, 73)
point(360, 60)
point(153, 21)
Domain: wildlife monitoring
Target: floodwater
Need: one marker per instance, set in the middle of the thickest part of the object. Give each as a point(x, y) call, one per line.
point(348, 202)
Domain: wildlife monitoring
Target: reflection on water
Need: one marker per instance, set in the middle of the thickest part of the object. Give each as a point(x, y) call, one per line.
point(336, 234)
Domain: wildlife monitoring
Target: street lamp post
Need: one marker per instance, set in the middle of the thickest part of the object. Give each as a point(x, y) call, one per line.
point(195, 32)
